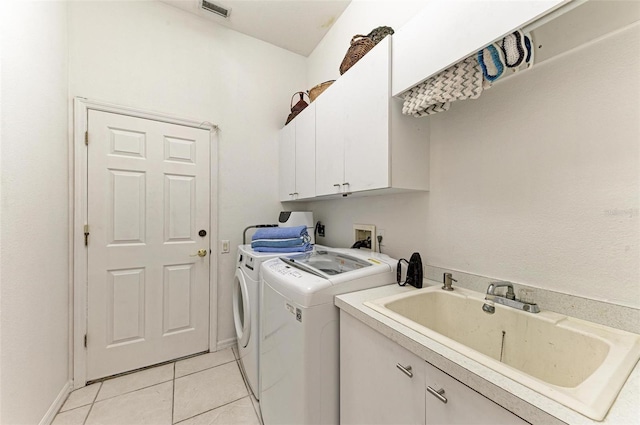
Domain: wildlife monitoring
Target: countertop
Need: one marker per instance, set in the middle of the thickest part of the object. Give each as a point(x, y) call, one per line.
point(524, 402)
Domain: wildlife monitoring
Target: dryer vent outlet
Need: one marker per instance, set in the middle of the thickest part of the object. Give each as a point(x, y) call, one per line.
point(364, 236)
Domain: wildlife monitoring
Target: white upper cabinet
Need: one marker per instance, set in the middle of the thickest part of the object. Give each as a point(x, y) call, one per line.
point(446, 31)
point(306, 153)
point(363, 143)
point(287, 162)
point(366, 108)
point(297, 157)
point(330, 124)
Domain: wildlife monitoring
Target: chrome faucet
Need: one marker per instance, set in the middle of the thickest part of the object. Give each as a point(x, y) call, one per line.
point(509, 299)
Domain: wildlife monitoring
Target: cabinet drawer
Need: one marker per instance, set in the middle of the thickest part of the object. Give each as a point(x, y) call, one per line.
point(463, 405)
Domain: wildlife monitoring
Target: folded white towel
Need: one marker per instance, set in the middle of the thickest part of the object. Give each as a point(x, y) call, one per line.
point(458, 82)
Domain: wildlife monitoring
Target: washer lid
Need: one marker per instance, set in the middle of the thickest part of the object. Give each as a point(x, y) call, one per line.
point(308, 286)
point(326, 263)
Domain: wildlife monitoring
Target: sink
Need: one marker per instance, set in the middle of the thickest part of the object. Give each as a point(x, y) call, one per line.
point(580, 364)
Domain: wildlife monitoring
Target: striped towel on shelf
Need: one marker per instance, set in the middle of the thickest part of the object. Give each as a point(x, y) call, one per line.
point(458, 82)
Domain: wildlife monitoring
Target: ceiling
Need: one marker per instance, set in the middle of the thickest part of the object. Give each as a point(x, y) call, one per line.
point(294, 25)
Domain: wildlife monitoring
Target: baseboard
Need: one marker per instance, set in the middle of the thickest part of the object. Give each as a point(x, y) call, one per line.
point(226, 343)
point(57, 403)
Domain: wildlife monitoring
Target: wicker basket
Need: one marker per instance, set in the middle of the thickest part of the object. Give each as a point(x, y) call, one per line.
point(316, 91)
point(360, 46)
point(377, 34)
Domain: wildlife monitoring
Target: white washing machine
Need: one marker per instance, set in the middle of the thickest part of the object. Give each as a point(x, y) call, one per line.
point(299, 344)
point(246, 311)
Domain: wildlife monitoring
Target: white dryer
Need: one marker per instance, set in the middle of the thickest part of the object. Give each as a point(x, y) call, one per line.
point(299, 347)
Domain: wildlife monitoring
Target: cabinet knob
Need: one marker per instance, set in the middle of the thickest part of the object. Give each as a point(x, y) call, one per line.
point(439, 394)
point(337, 184)
point(405, 369)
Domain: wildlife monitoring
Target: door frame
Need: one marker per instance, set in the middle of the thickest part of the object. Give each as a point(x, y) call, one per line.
point(79, 253)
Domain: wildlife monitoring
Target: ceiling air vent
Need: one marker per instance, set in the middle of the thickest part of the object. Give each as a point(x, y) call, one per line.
point(214, 8)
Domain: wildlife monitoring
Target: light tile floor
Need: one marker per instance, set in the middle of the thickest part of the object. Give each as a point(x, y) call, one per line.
point(203, 390)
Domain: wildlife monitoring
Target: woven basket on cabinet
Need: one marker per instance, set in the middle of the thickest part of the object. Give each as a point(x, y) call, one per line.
point(360, 46)
point(317, 90)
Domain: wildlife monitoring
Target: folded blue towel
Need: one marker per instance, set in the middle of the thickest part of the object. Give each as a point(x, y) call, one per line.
point(280, 232)
point(300, 248)
point(280, 243)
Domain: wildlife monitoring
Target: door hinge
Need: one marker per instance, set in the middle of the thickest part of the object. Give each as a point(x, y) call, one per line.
point(86, 138)
point(85, 340)
point(86, 235)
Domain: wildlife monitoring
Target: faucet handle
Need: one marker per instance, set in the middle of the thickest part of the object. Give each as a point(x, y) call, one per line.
point(510, 293)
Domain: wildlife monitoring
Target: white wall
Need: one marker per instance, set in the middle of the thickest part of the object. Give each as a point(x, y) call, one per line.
point(536, 182)
point(153, 56)
point(34, 292)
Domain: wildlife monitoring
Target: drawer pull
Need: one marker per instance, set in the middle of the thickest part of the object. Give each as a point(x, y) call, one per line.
point(439, 394)
point(405, 369)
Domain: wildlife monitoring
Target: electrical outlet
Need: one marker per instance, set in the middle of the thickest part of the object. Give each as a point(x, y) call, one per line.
point(225, 247)
point(321, 230)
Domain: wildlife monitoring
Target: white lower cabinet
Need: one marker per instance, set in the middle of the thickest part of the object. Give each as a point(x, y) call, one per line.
point(463, 405)
point(374, 388)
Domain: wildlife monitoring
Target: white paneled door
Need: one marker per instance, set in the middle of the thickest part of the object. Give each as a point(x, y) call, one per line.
point(148, 245)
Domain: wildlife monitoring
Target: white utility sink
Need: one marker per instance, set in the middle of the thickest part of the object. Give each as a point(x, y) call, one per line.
point(580, 364)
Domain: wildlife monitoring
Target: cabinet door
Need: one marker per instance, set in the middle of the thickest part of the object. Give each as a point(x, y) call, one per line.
point(366, 148)
point(330, 127)
point(464, 405)
point(287, 161)
point(373, 390)
point(306, 153)
point(418, 49)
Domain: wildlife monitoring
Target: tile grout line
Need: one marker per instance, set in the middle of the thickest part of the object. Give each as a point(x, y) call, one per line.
point(133, 391)
point(251, 395)
point(207, 368)
point(92, 403)
point(173, 392)
point(172, 380)
point(147, 386)
point(211, 410)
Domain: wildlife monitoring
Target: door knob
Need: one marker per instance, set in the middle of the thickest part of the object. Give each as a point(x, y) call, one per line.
point(201, 253)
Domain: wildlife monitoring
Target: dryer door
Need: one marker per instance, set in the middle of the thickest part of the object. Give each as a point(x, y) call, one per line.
point(241, 309)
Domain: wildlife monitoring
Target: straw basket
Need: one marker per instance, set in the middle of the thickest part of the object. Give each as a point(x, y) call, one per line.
point(360, 46)
point(316, 91)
